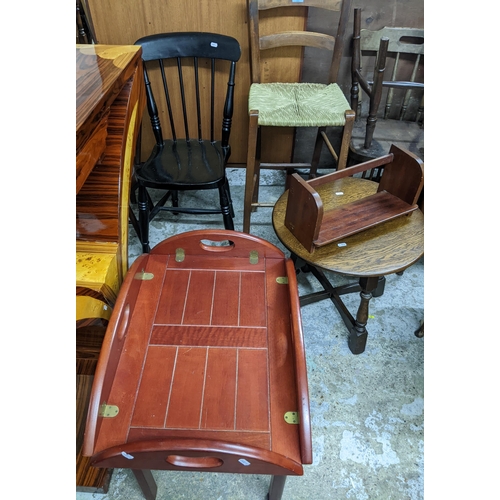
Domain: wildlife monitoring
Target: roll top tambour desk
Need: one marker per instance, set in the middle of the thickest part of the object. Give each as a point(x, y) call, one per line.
point(109, 105)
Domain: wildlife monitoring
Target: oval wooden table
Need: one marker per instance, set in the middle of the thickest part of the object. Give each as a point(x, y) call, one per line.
point(370, 255)
point(203, 364)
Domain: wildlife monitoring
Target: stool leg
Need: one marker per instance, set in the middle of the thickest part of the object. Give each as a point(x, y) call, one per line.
point(250, 170)
point(276, 488)
point(358, 334)
point(256, 174)
point(146, 482)
point(318, 146)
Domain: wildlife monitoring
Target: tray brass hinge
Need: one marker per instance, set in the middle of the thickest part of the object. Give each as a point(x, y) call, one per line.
point(108, 411)
point(292, 417)
point(179, 254)
point(282, 280)
point(254, 257)
point(144, 276)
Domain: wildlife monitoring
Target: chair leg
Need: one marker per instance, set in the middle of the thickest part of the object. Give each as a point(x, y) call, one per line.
point(228, 192)
point(250, 170)
point(133, 189)
point(226, 211)
point(144, 218)
point(318, 146)
point(350, 116)
point(175, 200)
point(256, 172)
point(276, 487)
point(371, 121)
point(133, 220)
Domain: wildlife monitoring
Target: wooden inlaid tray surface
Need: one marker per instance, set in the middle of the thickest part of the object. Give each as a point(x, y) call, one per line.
point(203, 364)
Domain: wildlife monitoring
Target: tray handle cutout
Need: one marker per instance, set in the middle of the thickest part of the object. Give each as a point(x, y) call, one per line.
point(217, 246)
point(194, 462)
point(123, 323)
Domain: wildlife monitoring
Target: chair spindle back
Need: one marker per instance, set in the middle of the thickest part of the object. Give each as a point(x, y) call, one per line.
point(198, 53)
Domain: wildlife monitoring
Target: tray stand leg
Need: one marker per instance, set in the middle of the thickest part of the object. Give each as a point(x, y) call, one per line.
point(419, 332)
point(146, 482)
point(276, 487)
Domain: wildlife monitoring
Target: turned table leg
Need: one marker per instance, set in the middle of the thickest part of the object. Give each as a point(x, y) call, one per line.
point(146, 482)
point(369, 287)
point(358, 334)
point(276, 487)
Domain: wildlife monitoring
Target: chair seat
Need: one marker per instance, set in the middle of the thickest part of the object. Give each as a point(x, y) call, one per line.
point(298, 104)
point(185, 164)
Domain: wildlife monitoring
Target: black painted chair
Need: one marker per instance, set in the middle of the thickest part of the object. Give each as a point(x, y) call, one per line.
point(195, 74)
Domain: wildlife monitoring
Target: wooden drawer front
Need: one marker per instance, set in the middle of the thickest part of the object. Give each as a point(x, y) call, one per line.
point(91, 152)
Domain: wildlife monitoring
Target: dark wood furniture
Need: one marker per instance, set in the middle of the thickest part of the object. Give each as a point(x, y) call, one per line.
point(126, 21)
point(187, 66)
point(290, 104)
point(387, 65)
point(316, 225)
point(109, 106)
point(369, 255)
point(203, 365)
point(84, 29)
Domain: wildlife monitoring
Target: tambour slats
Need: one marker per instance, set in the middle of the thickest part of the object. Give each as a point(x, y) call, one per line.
point(96, 90)
point(98, 202)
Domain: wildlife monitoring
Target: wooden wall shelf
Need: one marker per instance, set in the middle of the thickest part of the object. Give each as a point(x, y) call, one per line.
point(316, 222)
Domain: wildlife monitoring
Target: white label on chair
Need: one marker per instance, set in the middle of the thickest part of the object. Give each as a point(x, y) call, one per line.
point(126, 455)
point(214, 44)
point(243, 461)
point(339, 193)
point(341, 244)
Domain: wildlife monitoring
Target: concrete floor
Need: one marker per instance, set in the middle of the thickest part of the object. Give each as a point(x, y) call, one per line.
point(367, 410)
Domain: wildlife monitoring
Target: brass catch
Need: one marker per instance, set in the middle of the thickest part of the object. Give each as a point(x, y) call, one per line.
point(282, 280)
point(254, 257)
point(108, 411)
point(144, 276)
point(292, 417)
point(179, 255)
